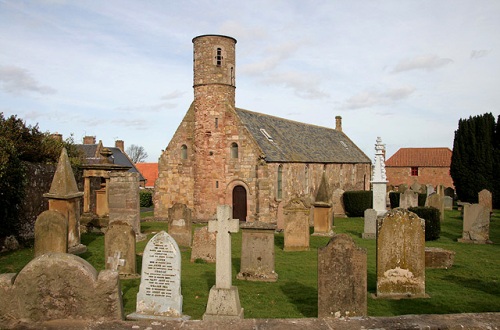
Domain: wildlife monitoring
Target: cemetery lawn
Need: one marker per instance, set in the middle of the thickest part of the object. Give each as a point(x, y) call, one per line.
point(470, 286)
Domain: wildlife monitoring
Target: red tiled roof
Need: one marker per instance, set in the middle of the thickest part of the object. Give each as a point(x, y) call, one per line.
point(148, 171)
point(423, 157)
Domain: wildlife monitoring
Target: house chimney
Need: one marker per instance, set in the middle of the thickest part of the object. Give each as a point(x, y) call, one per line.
point(338, 123)
point(56, 136)
point(120, 144)
point(89, 139)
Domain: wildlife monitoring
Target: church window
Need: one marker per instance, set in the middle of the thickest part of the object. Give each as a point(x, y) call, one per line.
point(234, 150)
point(414, 171)
point(306, 175)
point(184, 152)
point(279, 190)
point(216, 122)
point(218, 57)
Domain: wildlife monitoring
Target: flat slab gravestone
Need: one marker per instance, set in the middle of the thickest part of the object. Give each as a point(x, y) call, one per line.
point(223, 300)
point(51, 233)
point(159, 294)
point(60, 286)
point(203, 245)
point(342, 278)
point(401, 255)
point(257, 252)
point(296, 233)
point(119, 249)
point(476, 224)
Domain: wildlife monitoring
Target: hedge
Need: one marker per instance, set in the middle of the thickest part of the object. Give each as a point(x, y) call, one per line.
point(395, 195)
point(432, 222)
point(146, 198)
point(356, 202)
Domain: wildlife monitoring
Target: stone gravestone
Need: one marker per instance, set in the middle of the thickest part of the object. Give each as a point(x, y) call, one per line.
point(123, 195)
point(408, 199)
point(64, 197)
point(401, 255)
point(58, 286)
point(448, 203)
point(485, 198)
point(438, 258)
point(296, 232)
point(338, 203)
point(416, 187)
point(449, 192)
point(119, 249)
point(436, 201)
point(322, 210)
point(342, 283)
point(159, 294)
point(370, 230)
point(379, 179)
point(203, 245)
point(224, 299)
point(430, 189)
point(476, 226)
point(440, 190)
point(51, 233)
point(257, 252)
point(179, 226)
point(402, 188)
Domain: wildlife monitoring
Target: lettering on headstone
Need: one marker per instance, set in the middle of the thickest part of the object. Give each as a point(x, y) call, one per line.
point(159, 271)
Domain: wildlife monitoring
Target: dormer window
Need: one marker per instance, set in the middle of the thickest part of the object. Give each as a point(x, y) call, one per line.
point(218, 57)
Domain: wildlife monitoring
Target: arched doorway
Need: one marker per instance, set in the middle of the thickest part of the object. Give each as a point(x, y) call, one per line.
point(240, 203)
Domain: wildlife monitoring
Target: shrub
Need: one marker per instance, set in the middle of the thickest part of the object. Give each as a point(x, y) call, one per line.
point(394, 199)
point(432, 222)
point(146, 198)
point(356, 202)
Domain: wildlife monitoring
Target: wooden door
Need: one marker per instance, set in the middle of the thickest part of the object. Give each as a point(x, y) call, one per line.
point(240, 203)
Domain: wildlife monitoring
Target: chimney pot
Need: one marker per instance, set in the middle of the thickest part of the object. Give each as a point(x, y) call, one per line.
point(338, 123)
point(120, 144)
point(89, 139)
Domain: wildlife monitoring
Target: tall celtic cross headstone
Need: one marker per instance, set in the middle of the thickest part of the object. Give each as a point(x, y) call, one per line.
point(223, 300)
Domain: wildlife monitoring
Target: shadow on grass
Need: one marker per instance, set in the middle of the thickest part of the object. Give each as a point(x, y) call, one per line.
point(490, 287)
point(279, 241)
point(88, 238)
point(236, 263)
point(305, 298)
point(209, 276)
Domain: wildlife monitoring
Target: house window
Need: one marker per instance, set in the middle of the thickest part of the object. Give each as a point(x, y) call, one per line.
point(414, 171)
point(279, 191)
point(184, 152)
point(234, 150)
point(218, 57)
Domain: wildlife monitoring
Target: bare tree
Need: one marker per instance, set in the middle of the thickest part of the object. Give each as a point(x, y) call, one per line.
point(137, 153)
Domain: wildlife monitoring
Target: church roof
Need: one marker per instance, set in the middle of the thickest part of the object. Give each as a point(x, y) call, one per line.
point(284, 140)
point(423, 157)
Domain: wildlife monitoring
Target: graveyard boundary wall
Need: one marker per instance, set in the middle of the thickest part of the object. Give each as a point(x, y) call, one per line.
point(425, 321)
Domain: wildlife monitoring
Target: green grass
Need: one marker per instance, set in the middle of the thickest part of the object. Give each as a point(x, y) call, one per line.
point(471, 285)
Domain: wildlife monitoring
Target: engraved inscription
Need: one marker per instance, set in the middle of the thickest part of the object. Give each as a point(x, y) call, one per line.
point(160, 273)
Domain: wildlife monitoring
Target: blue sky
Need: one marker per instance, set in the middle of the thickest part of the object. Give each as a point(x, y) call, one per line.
point(406, 71)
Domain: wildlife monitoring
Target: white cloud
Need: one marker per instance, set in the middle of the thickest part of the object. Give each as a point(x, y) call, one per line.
point(368, 99)
point(479, 53)
point(173, 95)
point(17, 80)
point(304, 85)
point(425, 62)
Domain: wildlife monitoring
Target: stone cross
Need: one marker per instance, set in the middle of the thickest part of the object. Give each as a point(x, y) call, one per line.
point(223, 226)
point(115, 261)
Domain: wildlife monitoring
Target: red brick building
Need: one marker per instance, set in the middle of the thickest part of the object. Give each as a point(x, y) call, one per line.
point(221, 154)
point(423, 165)
point(150, 173)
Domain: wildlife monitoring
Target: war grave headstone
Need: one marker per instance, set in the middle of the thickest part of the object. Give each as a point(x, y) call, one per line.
point(257, 252)
point(485, 198)
point(476, 224)
point(123, 204)
point(179, 226)
point(119, 249)
point(203, 245)
point(401, 255)
point(58, 286)
point(64, 197)
point(448, 203)
point(408, 199)
point(223, 300)
point(51, 233)
point(370, 228)
point(379, 179)
point(342, 278)
point(159, 294)
point(322, 210)
point(296, 233)
point(436, 201)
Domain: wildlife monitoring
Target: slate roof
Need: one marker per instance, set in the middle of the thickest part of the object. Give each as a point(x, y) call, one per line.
point(420, 157)
point(291, 141)
point(119, 157)
point(149, 171)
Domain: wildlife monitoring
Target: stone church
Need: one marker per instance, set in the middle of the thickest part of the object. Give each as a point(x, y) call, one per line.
point(221, 154)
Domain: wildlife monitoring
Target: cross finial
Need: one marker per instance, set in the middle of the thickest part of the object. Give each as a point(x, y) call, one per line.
point(115, 261)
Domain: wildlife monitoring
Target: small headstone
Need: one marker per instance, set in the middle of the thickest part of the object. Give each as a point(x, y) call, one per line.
point(119, 249)
point(296, 231)
point(60, 286)
point(408, 199)
point(370, 231)
point(223, 300)
point(257, 252)
point(401, 255)
point(485, 198)
point(51, 233)
point(203, 245)
point(448, 203)
point(436, 201)
point(438, 258)
point(402, 188)
point(430, 189)
point(322, 210)
point(342, 279)
point(179, 226)
point(159, 294)
point(338, 203)
point(476, 226)
point(416, 186)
